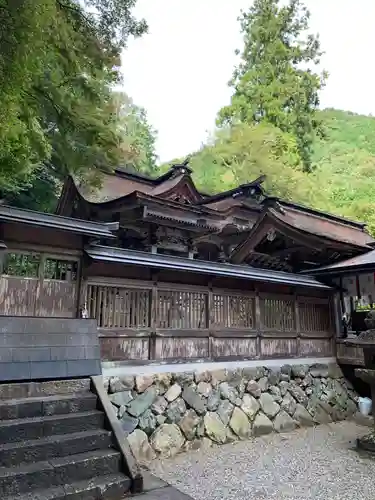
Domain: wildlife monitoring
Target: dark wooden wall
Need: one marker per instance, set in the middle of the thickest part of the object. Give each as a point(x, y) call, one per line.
point(164, 317)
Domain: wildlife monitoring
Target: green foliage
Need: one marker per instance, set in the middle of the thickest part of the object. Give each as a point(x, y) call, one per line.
point(345, 165)
point(274, 82)
point(244, 152)
point(137, 141)
point(22, 141)
point(58, 62)
point(343, 178)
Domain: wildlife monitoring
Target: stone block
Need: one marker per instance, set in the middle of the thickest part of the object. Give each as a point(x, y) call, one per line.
point(215, 429)
point(92, 352)
point(14, 371)
point(167, 440)
point(262, 425)
point(22, 354)
point(48, 369)
point(6, 355)
point(142, 402)
point(240, 424)
point(84, 368)
point(68, 352)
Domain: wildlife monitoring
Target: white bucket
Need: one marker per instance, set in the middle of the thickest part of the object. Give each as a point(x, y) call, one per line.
point(365, 405)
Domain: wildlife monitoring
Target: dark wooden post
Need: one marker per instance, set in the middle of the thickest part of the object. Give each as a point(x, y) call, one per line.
point(153, 318)
point(82, 273)
point(297, 324)
point(258, 324)
point(209, 317)
point(39, 290)
point(337, 313)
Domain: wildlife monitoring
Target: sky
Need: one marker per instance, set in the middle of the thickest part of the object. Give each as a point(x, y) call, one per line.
point(179, 71)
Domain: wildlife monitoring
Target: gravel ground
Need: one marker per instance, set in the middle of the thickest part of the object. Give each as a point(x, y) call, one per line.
point(312, 463)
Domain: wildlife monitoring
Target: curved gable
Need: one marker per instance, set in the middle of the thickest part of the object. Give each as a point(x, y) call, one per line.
point(180, 188)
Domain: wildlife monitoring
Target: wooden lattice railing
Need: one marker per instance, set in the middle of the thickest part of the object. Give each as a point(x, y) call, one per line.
point(149, 321)
point(38, 284)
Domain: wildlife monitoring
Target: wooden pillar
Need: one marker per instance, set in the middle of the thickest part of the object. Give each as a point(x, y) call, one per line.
point(39, 290)
point(337, 313)
point(83, 307)
point(210, 317)
point(258, 324)
point(3, 250)
point(297, 324)
point(153, 318)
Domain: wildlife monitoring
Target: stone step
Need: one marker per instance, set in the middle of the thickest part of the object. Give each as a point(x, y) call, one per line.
point(168, 493)
point(24, 429)
point(47, 388)
point(37, 450)
point(112, 487)
point(47, 405)
point(59, 471)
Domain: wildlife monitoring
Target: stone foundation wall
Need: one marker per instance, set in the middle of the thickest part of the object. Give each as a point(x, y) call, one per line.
point(166, 413)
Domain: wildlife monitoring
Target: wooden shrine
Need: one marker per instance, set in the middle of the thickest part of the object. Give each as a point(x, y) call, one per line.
point(170, 273)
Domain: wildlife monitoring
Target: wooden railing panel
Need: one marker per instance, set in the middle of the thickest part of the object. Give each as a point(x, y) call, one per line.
point(38, 284)
point(278, 348)
point(181, 310)
point(198, 323)
point(57, 299)
point(233, 348)
point(277, 314)
point(233, 311)
point(124, 349)
point(314, 317)
point(177, 348)
point(18, 296)
point(118, 307)
point(316, 347)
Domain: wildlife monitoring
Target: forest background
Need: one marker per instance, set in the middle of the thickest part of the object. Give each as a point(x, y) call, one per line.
point(60, 114)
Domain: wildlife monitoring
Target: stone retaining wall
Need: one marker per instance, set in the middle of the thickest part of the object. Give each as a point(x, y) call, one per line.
point(166, 413)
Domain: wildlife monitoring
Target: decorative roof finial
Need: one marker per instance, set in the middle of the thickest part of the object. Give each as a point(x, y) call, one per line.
point(183, 167)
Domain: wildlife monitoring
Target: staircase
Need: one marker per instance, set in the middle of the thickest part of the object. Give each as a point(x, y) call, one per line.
point(54, 445)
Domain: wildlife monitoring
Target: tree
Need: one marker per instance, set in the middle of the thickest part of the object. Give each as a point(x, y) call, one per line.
point(59, 60)
point(137, 137)
point(242, 153)
point(274, 81)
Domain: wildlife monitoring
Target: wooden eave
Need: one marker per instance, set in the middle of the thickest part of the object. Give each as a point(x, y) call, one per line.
point(163, 212)
point(133, 257)
point(270, 220)
point(357, 264)
point(57, 222)
point(139, 198)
